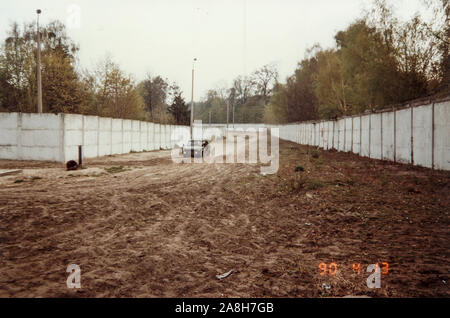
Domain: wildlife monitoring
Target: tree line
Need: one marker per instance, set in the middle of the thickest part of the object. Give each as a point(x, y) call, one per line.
point(248, 96)
point(66, 88)
point(376, 61)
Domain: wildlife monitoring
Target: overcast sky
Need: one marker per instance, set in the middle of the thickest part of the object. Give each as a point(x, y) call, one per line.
point(229, 37)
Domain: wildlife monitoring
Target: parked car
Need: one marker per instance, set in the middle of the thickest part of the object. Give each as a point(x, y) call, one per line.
point(195, 148)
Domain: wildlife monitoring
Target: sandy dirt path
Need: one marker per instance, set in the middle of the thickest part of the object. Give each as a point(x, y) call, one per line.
point(155, 228)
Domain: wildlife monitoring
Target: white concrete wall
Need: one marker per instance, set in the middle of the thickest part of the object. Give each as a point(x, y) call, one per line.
point(144, 136)
point(52, 137)
point(385, 135)
point(403, 135)
point(9, 136)
point(90, 139)
point(365, 136)
point(321, 135)
point(127, 134)
point(388, 136)
point(356, 135)
point(104, 136)
point(151, 136)
point(135, 136)
point(375, 136)
point(442, 135)
point(422, 135)
point(330, 135)
point(73, 134)
point(41, 137)
point(117, 136)
point(157, 136)
point(340, 134)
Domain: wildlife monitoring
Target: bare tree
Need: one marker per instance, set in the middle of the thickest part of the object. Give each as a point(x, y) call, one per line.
point(264, 79)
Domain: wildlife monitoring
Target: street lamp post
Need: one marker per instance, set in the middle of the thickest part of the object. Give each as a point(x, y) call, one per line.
point(233, 114)
point(39, 81)
point(228, 110)
point(192, 98)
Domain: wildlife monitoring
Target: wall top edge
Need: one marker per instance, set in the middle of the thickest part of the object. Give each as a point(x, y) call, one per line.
point(63, 114)
point(406, 105)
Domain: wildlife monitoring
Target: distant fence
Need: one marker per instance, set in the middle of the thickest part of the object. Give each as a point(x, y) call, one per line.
point(30, 136)
point(418, 134)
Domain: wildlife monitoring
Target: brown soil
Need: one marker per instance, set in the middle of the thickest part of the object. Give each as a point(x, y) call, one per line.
point(155, 228)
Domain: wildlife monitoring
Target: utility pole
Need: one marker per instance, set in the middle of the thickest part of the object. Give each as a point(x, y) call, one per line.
point(233, 115)
point(192, 97)
point(228, 112)
point(39, 81)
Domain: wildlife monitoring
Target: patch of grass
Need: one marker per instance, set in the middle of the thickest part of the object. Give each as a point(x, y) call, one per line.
point(315, 153)
point(318, 161)
point(314, 184)
point(115, 169)
point(367, 165)
point(343, 183)
point(18, 181)
point(296, 182)
point(385, 179)
point(299, 169)
point(417, 181)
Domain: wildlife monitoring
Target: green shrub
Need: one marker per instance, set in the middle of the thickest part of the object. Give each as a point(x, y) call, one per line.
point(299, 169)
point(314, 184)
point(315, 153)
point(115, 169)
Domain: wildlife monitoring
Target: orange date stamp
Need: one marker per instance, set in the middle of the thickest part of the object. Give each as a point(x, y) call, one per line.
point(332, 268)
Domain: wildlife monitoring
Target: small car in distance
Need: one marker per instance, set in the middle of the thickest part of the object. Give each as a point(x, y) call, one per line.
point(195, 148)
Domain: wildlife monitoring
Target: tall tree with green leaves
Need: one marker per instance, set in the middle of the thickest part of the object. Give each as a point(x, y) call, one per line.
point(154, 91)
point(117, 94)
point(61, 87)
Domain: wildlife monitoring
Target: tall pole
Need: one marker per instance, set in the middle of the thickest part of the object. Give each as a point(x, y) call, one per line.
point(210, 117)
point(233, 115)
point(192, 98)
point(39, 83)
point(228, 110)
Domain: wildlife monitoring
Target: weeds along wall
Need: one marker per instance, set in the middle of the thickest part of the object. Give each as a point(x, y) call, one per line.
point(53, 137)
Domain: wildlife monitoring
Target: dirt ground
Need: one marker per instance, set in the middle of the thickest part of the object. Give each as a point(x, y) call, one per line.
point(139, 225)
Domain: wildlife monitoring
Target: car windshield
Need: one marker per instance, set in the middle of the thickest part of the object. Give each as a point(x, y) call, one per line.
point(195, 142)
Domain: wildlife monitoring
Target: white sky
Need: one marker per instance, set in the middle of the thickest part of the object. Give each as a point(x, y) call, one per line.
point(229, 37)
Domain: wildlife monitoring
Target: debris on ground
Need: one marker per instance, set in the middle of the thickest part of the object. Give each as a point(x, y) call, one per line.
point(4, 172)
point(72, 165)
point(225, 275)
